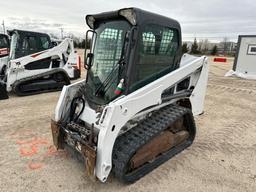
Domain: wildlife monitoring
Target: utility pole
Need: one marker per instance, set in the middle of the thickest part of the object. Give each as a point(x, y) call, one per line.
point(61, 33)
point(3, 27)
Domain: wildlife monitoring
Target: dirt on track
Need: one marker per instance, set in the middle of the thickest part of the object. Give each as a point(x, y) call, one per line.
point(222, 158)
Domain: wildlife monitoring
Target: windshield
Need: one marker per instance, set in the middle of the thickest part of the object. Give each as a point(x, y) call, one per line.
point(3, 42)
point(103, 77)
point(13, 46)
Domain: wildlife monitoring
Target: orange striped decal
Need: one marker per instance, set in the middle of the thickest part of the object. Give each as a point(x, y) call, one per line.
point(37, 54)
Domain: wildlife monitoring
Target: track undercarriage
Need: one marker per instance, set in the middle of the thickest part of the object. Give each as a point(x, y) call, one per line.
point(154, 140)
point(46, 82)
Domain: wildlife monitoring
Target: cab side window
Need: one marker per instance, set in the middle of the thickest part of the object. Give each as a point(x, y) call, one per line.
point(158, 46)
point(32, 43)
point(45, 44)
point(29, 44)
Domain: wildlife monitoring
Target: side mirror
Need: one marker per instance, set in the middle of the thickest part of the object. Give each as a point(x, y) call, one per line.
point(89, 44)
point(88, 63)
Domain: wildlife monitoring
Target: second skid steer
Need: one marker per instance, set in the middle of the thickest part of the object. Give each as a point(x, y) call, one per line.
point(34, 65)
point(135, 109)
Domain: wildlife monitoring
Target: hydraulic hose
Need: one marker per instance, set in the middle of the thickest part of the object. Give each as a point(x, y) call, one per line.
point(73, 116)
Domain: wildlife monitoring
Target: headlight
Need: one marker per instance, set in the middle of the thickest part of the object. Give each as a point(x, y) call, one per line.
point(90, 21)
point(129, 14)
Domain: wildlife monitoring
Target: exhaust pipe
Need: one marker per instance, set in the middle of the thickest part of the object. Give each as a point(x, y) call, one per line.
point(3, 92)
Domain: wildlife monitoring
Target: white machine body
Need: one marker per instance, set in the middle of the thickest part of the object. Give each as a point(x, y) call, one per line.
point(117, 113)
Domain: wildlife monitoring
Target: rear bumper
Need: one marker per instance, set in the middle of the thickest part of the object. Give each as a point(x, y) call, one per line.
point(59, 135)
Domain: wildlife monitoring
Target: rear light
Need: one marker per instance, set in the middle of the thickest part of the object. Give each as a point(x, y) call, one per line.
point(4, 51)
point(78, 64)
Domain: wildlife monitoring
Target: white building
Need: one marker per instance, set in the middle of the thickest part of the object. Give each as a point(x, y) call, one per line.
point(245, 60)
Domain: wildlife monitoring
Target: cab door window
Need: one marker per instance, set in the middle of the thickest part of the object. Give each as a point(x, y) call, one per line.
point(158, 46)
point(29, 45)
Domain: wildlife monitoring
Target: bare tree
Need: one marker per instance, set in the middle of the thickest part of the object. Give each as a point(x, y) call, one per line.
point(225, 45)
point(200, 45)
point(203, 45)
point(206, 45)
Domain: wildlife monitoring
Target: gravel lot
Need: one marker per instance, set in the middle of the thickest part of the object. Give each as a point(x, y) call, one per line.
point(222, 158)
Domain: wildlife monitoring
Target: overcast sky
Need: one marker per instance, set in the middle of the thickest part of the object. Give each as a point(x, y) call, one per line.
point(213, 19)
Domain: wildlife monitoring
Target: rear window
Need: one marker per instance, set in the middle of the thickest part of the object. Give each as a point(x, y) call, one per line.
point(3, 42)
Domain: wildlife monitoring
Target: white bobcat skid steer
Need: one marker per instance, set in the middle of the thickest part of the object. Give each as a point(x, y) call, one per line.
point(136, 108)
point(35, 66)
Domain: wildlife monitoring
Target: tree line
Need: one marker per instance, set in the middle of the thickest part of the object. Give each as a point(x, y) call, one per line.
point(196, 48)
point(199, 48)
point(82, 44)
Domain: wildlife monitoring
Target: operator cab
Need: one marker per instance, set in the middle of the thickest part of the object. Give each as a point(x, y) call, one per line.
point(130, 48)
point(4, 45)
point(24, 43)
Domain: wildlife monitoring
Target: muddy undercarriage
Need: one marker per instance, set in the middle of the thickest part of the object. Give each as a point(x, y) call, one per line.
point(153, 141)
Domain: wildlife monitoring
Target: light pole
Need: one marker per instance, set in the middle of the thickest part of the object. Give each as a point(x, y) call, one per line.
point(61, 33)
point(3, 27)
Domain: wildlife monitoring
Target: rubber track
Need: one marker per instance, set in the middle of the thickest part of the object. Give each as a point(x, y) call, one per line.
point(18, 82)
point(128, 143)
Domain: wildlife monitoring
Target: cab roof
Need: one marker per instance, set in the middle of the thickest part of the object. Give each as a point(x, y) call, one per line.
point(3, 35)
point(24, 33)
point(141, 17)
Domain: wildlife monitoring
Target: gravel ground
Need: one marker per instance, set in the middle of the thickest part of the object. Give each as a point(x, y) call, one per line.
point(222, 158)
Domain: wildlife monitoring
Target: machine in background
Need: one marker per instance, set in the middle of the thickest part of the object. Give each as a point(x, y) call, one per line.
point(34, 65)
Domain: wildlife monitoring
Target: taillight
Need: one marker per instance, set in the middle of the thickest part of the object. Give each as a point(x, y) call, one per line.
point(78, 64)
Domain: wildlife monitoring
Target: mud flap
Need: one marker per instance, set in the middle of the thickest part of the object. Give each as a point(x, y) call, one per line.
point(3, 92)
